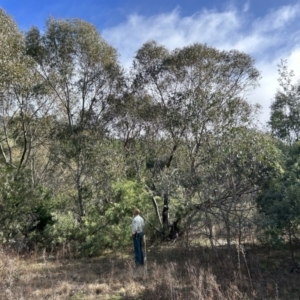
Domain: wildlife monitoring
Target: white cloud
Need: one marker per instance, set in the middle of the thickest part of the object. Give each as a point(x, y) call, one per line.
point(278, 19)
point(267, 39)
point(294, 61)
point(171, 30)
point(246, 6)
point(265, 93)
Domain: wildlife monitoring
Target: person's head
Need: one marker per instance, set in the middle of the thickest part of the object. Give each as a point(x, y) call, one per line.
point(136, 211)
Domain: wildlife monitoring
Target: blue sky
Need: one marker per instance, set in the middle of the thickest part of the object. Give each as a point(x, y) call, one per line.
point(268, 30)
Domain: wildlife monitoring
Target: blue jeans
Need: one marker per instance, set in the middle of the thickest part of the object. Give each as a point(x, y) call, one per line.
point(138, 249)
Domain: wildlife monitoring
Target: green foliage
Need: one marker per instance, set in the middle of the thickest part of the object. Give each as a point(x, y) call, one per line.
point(285, 109)
point(12, 47)
point(198, 95)
point(63, 229)
point(279, 203)
point(25, 208)
point(81, 144)
point(111, 227)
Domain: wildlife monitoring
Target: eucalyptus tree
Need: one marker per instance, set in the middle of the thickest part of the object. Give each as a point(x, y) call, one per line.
point(285, 109)
point(13, 73)
point(238, 165)
point(12, 64)
point(197, 91)
point(24, 102)
point(279, 203)
point(20, 133)
point(83, 73)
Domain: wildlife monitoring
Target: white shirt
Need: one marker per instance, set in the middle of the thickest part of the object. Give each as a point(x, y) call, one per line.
point(137, 224)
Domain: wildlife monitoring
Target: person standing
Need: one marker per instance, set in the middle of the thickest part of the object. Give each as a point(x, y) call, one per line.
point(137, 236)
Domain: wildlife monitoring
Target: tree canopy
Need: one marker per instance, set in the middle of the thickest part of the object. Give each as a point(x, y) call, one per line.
point(82, 141)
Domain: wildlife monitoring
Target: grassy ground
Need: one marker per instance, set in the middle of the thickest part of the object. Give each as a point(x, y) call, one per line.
point(172, 272)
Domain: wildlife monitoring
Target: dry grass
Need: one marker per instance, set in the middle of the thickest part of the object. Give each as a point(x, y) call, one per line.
point(171, 273)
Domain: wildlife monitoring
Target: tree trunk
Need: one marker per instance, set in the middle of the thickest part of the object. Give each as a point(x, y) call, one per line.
point(228, 236)
point(291, 244)
point(165, 215)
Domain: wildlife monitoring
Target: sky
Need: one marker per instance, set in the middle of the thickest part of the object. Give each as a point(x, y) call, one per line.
point(268, 30)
